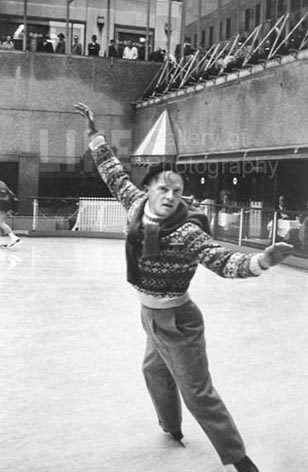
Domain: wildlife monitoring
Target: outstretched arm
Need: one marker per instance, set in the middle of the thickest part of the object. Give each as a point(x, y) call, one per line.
point(108, 165)
point(230, 264)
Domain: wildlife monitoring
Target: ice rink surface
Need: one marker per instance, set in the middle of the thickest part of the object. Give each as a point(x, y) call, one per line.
point(73, 398)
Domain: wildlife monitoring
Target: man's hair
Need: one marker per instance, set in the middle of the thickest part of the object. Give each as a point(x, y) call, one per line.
point(154, 170)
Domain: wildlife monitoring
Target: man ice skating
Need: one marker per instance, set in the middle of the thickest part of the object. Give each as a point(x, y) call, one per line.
point(165, 242)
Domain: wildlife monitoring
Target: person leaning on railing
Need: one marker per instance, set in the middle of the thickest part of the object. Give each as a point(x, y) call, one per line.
point(165, 243)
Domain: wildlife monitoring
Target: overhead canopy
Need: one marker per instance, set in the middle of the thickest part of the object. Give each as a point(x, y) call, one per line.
point(159, 141)
point(243, 155)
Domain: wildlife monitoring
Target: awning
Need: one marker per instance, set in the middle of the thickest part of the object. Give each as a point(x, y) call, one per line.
point(159, 141)
point(244, 155)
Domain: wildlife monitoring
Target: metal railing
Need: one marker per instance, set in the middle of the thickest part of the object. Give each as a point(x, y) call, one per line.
point(78, 214)
point(258, 226)
point(244, 224)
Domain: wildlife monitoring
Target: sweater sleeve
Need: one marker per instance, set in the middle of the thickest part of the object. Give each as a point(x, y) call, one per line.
point(221, 260)
point(112, 172)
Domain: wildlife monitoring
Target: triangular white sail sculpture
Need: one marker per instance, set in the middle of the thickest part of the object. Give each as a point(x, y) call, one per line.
point(160, 139)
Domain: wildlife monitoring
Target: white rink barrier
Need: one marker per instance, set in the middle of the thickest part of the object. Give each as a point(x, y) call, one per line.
point(100, 214)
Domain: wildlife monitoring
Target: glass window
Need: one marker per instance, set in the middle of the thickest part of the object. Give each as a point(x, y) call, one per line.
point(228, 28)
point(36, 30)
point(258, 14)
point(125, 33)
point(282, 7)
point(247, 19)
point(195, 40)
point(295, 4)
point(269, 9)
point(203, 33)
point(211, 35)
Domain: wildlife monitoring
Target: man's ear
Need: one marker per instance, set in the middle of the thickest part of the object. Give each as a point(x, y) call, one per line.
point(146, 188)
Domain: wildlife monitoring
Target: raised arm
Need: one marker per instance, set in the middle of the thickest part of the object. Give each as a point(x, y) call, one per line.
point(107, 163)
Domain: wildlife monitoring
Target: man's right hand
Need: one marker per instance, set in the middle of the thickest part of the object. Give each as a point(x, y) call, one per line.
point(85, 111)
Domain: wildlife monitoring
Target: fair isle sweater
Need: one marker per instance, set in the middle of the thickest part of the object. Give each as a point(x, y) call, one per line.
point(165, 277)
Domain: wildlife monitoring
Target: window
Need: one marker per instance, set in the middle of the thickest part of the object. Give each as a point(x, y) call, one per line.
point(220, 31)
point(36, 29)
point(247, 19)
point(228, 28)
point(269, 8)
point(195, 41)
point(282, 7)
point(258, 14)
point(203, 38)
point(211, 36)
point(122, 34)
point(295, 5)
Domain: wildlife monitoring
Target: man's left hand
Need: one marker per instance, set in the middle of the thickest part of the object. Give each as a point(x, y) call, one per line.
point(275, 254)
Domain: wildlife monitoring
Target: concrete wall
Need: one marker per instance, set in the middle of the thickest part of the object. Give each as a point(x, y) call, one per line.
point(265, 109)
point(37, 120)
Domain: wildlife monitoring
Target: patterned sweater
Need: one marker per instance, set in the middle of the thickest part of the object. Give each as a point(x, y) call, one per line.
point(166, 277)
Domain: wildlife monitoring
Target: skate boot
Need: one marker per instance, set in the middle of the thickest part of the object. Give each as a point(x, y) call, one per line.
point(245, 465)
point(177, 435)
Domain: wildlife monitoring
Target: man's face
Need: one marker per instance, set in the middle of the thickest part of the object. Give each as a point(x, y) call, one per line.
point(165, 193)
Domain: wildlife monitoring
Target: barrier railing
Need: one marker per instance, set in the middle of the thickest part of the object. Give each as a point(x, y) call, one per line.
point(256, 226)
point(78, 214)
point(242, 224)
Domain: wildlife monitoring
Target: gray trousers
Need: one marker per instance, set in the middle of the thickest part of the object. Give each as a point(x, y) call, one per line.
point(175, 361)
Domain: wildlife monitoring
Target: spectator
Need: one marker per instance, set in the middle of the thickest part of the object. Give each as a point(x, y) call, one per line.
point(130, 51)
point(76, 47)
point(157, 55)
point(112, 49)
point(61, 46)
point(187, 50)
point(177, 53)
point(141, 51)
point(93, 47)
point(45, 45)
point(8, 45)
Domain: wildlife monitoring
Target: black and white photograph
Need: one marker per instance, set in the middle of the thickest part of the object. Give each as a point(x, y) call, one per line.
point(154, 235)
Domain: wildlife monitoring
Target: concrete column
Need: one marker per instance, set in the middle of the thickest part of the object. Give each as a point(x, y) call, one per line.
point(28, 182)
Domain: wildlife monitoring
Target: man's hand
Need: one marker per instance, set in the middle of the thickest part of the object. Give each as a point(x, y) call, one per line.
point(85, 111)
point(275, 254)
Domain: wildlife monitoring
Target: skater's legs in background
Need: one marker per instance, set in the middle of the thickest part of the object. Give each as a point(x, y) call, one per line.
point(6, 230)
